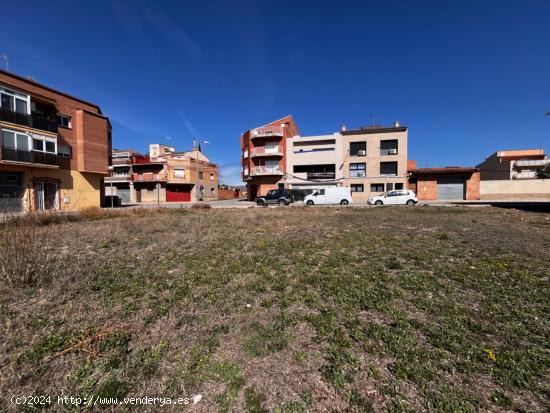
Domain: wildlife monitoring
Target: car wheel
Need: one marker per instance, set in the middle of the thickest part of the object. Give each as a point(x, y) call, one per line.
point(260, 203)
point(344, 202)
point(310, 203)
point(410, 202)
point(282, 202)
point(378, 203)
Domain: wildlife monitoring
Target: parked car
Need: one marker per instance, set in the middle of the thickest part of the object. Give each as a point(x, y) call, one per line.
point(275, 196)
point(400, 197)
point(329, 195)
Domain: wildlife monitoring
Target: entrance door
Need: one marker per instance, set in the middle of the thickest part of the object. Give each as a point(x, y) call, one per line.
point(450, 188)
point(11, 192)
point(45, 195)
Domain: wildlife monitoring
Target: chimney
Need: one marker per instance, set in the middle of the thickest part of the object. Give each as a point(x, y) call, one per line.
point(344, 127)
point(396, 124)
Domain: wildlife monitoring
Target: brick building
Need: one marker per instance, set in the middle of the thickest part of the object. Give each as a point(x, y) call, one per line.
point(450, 183)
point(54, 148)
point(165, 175)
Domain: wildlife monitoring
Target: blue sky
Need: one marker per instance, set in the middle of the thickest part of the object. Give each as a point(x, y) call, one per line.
point(466, 77)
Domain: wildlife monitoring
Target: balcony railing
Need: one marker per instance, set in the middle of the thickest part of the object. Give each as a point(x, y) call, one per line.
point(321, 175)
point(17, 155)
point(122, 161)
point(268, 131)
point(267, 151)
point(532, 162)
point(266, 170)
point(149, 177)
point(118, 178)
point(31, 121)
point(525, 175)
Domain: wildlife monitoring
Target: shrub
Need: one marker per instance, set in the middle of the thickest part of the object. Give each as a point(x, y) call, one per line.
point(201, 206)
point(92, 213)
point(26, 251)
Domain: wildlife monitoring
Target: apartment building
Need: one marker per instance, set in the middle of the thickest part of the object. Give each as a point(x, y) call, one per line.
point(514, 164)
point(375, 159)
point(314, 161)
point(369, 160)
point(54, 148)
point(119, 180)
point(165, 175)
point(263, 156)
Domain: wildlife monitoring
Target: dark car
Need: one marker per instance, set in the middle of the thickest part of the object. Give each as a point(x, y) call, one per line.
point(275, 196)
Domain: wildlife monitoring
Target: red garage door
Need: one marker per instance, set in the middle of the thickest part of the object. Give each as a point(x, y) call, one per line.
point(178, 194)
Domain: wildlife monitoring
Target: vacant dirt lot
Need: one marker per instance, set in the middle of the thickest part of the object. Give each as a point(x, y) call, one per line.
point(288, 310)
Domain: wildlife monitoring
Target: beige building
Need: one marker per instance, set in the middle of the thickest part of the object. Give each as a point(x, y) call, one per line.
point(513, 164)
point(314, 161)
point(375, 159)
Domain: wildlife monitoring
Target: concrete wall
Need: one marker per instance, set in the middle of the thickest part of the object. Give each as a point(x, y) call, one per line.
point(515, 189)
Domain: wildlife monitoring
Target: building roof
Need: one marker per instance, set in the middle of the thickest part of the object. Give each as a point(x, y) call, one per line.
point(443, 170)
point(519, 153)
point(374, 129)
point(33, 82)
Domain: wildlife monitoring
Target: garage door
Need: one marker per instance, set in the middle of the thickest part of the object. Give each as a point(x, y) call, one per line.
point(450, 188)
point(11, 192)
point(178, 194)
point(124, 195)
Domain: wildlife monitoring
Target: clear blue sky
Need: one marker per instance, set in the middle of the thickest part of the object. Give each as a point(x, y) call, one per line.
point(467, 77)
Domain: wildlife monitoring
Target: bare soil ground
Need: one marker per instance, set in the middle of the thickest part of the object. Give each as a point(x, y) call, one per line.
point(288, 310)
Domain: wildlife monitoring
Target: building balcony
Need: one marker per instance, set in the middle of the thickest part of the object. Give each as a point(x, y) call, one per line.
point(267, 151)
point(150, 177)
point(532, 162)
point(30, 121)
point(267, 132)
point(118, 178)
point(30, 157)
point(266, 171)
point(121, 161)
point(525, 175)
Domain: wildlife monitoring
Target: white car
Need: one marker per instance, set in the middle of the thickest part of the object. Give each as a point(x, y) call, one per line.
point(400, 197)
point(330, 195)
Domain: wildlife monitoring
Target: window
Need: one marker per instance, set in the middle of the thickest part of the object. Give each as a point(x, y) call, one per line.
point(358, 148)
point(50, 147)
point(16, 102)
point(377, 187)
point(179, 173)
point(399, 186)
point(388, 168)
point(37, 145)
point(211, 177)
point(357, 169)
point(64, 151)
point(13, 140)
point(64, 120)
point(320, 192)
point(393, 193)
point(357, 188)
point(212, 190)
point(389, 186)
point(201, 175)
point(388, 147)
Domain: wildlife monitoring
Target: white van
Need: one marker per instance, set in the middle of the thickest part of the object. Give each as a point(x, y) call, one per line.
point(330, 195)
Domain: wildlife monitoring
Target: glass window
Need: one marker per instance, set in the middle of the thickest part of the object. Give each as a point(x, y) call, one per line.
point(377, 187)
point(64, 151)
point(358, 148)
point(20, 105)
point(393, 193)
point(211, 177)
point(50, 147)
point(22, 142)
point(399, 186)
point(357, 188)
point(389, 186)
point(38, 145)
point(64, 120)
point(201, 175)
point(388, 168)
point(8, 139)
point(388, 147)
point(7, 101)
point(357, 169)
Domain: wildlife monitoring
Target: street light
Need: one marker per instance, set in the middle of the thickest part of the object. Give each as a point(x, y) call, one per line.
point(111, 168)
point(196, 143)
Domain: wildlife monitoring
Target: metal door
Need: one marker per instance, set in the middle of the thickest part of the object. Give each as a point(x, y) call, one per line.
point(450, 188)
